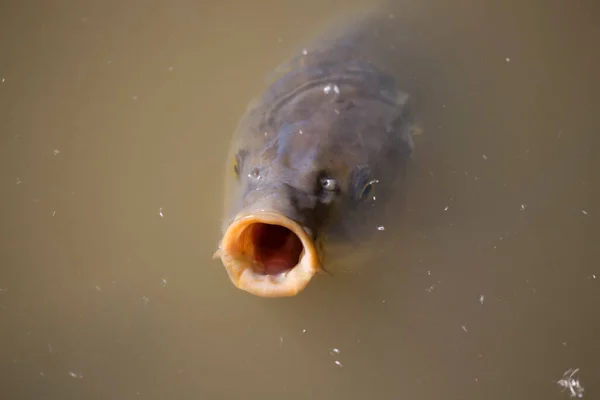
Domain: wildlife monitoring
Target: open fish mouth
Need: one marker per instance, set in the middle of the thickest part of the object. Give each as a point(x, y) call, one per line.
point(268, 255)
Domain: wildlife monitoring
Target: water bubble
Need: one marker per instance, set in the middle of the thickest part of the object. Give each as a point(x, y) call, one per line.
point(329, 88)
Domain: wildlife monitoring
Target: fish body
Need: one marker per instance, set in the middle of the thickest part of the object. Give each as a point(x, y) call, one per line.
point(329, 130)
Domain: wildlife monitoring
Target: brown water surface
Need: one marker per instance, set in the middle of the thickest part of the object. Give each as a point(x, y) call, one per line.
point(115, 119)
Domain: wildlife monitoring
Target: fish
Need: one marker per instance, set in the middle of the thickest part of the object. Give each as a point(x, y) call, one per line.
point(330, 127)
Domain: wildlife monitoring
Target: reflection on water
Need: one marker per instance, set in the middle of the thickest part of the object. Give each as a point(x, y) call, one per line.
point(115, 119)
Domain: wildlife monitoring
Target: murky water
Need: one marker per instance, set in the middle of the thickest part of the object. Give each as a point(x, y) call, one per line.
point(115, 118)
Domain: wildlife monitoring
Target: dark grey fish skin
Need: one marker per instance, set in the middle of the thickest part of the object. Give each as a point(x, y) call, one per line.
point(330, 128)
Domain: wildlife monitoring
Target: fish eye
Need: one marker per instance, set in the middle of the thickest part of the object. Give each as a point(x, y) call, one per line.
point(367, 189)
point(236, 166)
point(329, 184)
point(362, 183)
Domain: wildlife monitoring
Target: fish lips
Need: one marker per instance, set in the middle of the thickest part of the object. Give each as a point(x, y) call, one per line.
point(268, 254)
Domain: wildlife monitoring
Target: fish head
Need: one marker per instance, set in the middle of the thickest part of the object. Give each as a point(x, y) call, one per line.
point(292, 171)
point(306, 156)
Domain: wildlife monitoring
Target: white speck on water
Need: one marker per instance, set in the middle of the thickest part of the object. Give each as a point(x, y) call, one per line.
point(3, 80)
point(381, 228)
point(430, 288)
point(304, 51)
point(523, 207)
point(281, 340)
point(164, 282)
point(55, 152)
point(303, 330)
point(484, 156)
point(160, 212)
point(464, 328)
point(564, 344)
point(76, 375)
point(573, 384)
point(443, 106)
point(392, 16)
point(146, 300)
point(339, 364)
point(336, 350)
point(18, 181)
point(428, 272)
point(481, 298)
point(170, 69)
point(42, 374)
point(446, 208)
point(507, 59)
point(383, 301)
point(98, 289)
point(109, 62)
point(134, 97)
point(584, 212)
